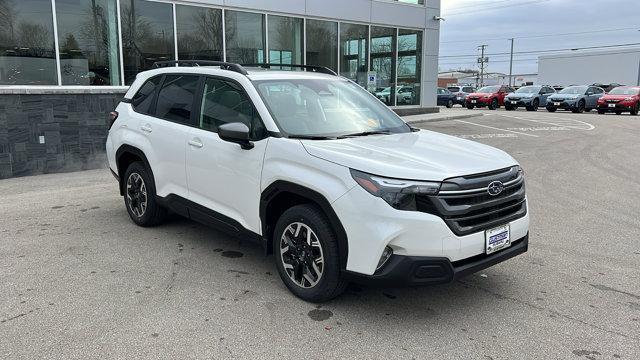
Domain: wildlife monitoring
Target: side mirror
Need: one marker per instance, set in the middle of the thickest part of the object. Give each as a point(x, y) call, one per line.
point(236, 133)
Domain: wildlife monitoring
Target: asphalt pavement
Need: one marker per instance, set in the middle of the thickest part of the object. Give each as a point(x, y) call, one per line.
point(78, 280)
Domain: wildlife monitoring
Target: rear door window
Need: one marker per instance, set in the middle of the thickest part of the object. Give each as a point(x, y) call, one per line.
point(143, 99)
point(176, 98)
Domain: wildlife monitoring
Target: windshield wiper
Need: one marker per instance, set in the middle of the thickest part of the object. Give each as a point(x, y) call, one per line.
point(367, 133)
point(311, 137)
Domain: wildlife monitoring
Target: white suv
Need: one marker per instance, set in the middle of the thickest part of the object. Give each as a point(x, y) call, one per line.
point(319, 171)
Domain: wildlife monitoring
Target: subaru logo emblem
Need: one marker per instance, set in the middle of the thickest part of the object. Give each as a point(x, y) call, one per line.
point(495, 188)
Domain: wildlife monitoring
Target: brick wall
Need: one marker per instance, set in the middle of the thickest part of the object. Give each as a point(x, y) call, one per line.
point(74, 126)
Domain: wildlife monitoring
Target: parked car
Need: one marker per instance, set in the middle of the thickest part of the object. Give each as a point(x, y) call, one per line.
point(621, 99)
point(313, 168)
point(575, 98)
point(461, 92)
point(446, 98)
point(531, 97)
point(404, 95)
point(489, 96)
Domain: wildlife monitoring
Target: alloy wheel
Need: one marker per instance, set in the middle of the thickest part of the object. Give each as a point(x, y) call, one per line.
point(301, 255)
point(137, 194)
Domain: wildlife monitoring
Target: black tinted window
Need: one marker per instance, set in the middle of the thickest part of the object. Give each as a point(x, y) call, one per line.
point(224, 102)
point(175, 100)
point(143, 99)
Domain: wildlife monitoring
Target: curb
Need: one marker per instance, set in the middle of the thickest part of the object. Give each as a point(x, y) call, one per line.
point(444, 118)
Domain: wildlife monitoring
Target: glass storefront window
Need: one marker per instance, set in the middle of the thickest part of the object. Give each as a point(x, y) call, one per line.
point(244, 33)
point(353, 52)
point(383, 65)
point(27, 50)
point(322, 43)
point(147, 35)
point(409, 65)
point(88, 42)
point(417, 2)
point(285, 40)
point(199, 32)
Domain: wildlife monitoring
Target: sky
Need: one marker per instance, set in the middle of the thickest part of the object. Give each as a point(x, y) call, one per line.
point(470, 23)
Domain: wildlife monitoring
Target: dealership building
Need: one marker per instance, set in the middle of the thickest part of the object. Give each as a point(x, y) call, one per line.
point(65, 64)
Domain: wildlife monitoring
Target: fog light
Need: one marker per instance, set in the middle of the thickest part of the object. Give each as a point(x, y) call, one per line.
point(386, 254)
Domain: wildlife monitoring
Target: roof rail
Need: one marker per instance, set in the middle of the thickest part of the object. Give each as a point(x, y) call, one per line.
point(223, 65)
point(312, 68)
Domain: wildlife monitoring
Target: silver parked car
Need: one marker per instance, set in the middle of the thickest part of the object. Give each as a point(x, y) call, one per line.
point(531, 97)
point(575, 98)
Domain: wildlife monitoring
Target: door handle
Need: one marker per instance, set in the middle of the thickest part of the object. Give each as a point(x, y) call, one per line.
point(146, 128)
point(196, 143)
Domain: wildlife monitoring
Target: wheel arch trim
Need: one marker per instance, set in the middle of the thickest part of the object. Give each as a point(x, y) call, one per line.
point(128, 149)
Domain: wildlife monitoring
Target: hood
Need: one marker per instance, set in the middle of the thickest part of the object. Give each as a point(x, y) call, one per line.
point(521, 95)
point(564, 96)
point(617, 97)
point(480, 94)
point(423, 155)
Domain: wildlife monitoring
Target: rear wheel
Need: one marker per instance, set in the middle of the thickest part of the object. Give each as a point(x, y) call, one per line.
point(534, 105)
point(580, 107)
point(494, 104)
point(636, 109)
point(140, 196)
point(306, 252)
point(449, 104)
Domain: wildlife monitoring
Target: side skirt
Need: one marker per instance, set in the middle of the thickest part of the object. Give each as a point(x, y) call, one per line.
point(206, 216)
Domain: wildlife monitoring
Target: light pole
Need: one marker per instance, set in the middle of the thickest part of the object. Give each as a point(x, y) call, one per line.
point(511, 63)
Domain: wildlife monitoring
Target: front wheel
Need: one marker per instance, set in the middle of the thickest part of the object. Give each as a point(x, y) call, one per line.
point(580, 107)
point(140, 196)
point(306, 252)
point(636, 109)
point(534, 105)
point(494, 104)
point(449, 104)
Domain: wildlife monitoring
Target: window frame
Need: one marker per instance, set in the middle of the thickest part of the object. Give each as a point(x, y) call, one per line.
point(154, 95)
point(198, 90)
point(243, 91)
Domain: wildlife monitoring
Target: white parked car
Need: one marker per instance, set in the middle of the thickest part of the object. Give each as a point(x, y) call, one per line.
point(315, 168)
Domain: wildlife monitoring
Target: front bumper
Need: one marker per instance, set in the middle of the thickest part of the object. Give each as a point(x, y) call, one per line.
point(621, 106)
point(479, 102)
point(416, 270)
point(517, 103)
point(371, 225)
point(563, 104)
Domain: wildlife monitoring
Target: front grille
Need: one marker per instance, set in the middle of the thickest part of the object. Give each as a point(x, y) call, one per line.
point(466, 206)
point(514, 99)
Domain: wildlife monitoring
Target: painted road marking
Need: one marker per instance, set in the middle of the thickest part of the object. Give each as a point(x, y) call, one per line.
point(495, 128)
point(487, 136)
point(568, 123)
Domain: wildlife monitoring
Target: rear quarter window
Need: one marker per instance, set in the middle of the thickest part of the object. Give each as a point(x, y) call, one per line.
point(142, 100)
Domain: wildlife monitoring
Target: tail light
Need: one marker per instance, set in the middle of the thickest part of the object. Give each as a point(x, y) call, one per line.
point(113, 116)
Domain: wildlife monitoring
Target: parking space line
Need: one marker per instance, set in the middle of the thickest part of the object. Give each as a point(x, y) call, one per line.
point(495, 128)
point(570, 126)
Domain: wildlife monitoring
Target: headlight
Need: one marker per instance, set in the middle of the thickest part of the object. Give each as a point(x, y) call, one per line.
point(400, 194)
point(486, 96)
point(628, 99)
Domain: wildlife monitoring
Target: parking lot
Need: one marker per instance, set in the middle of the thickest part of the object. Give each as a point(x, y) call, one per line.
point(80, 280)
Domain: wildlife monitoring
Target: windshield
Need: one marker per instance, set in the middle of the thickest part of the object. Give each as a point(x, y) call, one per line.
point(488, 89)
point(529, 90)
point(625, 91)
point(326, 108)
point(574, 90)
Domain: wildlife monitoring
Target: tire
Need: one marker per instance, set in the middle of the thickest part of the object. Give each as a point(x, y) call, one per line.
point(470, 107)
point(534, 105)
point(552, 109)
point(618, 112)
point(494, 104)
point(580, 108)
point(140, 196)
point(636, 109)
point(601, 112)
point(449, 104)
point(300, 220)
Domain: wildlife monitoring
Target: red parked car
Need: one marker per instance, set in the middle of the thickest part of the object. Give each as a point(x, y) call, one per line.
point(489, 96)
point(621, 99)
